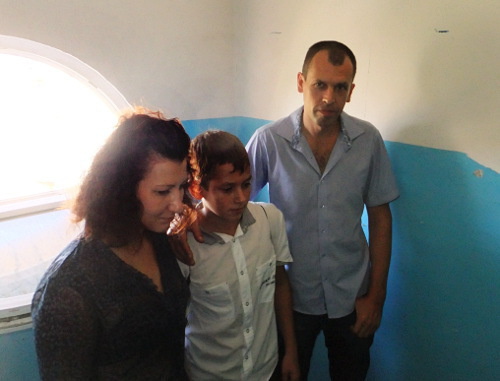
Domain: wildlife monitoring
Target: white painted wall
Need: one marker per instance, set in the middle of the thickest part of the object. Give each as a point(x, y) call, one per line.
point(174, 55)
point(427, 71)
point(218, 58)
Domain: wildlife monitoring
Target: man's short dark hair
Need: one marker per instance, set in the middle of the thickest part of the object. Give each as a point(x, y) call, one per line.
point(337, 52)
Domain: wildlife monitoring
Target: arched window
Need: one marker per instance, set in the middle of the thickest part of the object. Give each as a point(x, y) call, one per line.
point(56, 113)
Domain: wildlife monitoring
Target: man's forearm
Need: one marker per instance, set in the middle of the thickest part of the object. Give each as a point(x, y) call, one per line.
point(380, 228)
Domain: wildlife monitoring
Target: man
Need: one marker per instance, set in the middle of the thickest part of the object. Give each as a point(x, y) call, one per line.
point(323, 167)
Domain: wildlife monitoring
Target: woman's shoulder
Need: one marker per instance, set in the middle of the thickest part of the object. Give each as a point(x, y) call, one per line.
point(71, 267)
point(64, 261)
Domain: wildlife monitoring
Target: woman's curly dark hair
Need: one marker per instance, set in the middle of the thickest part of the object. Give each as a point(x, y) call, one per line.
point(107, 199)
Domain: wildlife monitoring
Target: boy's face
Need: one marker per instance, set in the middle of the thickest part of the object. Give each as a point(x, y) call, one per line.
point(227, 195)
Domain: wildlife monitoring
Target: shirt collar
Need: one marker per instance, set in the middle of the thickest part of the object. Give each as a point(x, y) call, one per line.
point(247, 219)
point(349, 129)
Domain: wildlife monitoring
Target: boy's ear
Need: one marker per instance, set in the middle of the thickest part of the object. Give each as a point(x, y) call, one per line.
point(195, 190)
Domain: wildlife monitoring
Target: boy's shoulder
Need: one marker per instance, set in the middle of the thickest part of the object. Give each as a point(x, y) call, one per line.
point(256, 205)
point(270, 210)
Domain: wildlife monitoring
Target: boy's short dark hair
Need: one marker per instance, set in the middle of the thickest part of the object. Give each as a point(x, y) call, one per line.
point(213, 148)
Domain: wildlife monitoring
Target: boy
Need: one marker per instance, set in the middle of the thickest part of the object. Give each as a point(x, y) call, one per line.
point(238, 283)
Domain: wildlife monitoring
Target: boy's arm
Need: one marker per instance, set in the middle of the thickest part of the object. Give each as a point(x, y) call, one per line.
point(284, 316)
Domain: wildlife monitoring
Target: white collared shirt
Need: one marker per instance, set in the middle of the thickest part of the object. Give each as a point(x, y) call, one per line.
point(231, 332)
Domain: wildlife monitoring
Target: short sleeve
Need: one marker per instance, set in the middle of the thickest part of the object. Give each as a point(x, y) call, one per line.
point(382, 187)
point(278, 233)
point(185, 270)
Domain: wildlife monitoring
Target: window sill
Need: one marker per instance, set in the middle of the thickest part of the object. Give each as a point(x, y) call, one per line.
point(15, 313)
point(28, 245)
point(31, 205)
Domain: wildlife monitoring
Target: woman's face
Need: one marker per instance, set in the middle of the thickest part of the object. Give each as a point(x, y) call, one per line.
point(161, 192)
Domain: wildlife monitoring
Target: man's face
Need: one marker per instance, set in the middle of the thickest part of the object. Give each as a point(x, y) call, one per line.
point(327, 88)
point(227, 195)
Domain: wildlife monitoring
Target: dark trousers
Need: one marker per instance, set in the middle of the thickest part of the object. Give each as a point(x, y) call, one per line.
point(348, 354)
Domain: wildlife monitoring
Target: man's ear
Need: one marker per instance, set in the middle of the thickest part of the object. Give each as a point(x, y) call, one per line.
point(195, 190)
point(350, 92)
point(300, 82)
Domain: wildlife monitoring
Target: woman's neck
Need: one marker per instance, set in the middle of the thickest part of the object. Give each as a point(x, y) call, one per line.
point(142, 257)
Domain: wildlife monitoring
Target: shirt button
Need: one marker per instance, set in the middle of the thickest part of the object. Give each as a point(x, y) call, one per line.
point(247, 330)
point(242, 272)
point(247, 304)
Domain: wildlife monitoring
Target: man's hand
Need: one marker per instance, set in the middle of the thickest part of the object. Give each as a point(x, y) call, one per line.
point(369, 307)
point(368, 316)
point(290, 368)
point(177, 233)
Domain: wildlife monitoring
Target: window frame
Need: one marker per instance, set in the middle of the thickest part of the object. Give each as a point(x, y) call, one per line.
point(15, 311)
point(79, 70)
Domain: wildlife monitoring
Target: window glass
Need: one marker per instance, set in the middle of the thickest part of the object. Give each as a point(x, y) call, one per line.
point(51, 125)
point(56, 113)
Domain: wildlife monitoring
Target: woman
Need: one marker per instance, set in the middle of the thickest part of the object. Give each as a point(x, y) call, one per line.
point(112, 304)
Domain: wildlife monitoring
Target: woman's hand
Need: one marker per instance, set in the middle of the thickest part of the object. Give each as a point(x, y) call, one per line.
point(177, 233)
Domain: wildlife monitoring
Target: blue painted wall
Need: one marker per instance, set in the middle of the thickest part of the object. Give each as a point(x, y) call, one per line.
point(17, 357)
point(442, 311)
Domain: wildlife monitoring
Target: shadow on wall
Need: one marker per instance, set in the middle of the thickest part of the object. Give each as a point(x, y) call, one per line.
point(444, 283)
point(447, 96)
point(441, 310)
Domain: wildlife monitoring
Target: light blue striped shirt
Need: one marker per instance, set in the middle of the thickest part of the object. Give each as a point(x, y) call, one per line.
point(323, 210)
